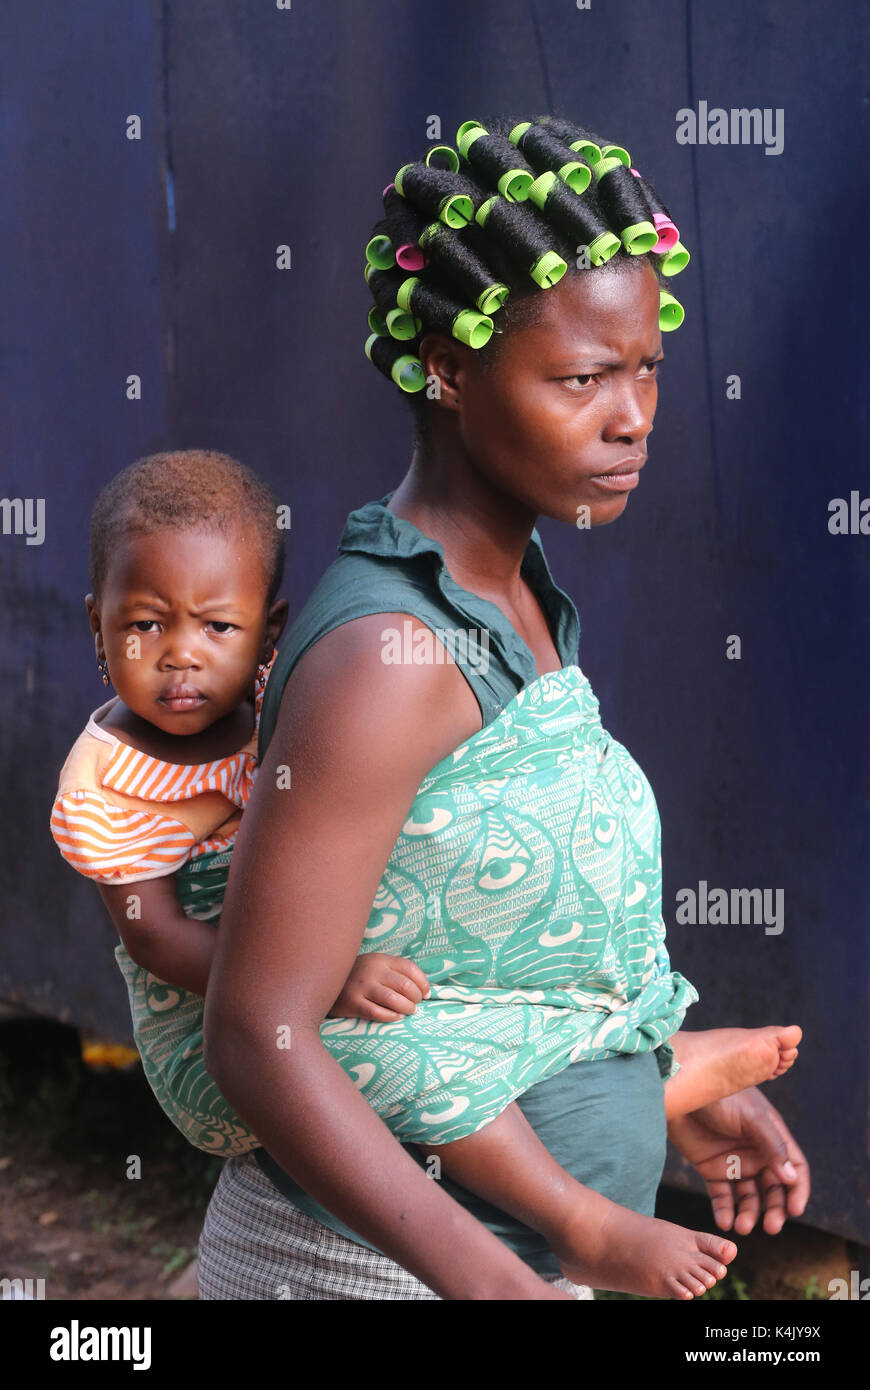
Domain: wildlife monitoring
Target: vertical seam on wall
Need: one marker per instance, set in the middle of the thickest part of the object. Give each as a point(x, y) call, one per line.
point(171, 345)
point(702, 280)
point(539, 43)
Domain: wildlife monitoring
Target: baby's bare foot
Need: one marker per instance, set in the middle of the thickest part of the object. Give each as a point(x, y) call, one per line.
point(719, 1062)
point(630, 1253)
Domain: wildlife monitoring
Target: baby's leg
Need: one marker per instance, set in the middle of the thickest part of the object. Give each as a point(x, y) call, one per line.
point(721, 1061)
point(596, 1241)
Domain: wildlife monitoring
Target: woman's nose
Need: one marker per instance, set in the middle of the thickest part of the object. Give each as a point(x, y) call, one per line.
point(632, 414)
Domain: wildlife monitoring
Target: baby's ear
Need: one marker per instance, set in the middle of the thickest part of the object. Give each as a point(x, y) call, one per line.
point(276, 621)
point(94, 620)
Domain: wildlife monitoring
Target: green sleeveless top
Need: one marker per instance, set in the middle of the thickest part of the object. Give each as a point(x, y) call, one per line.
point(385, 565)
point(570, 941)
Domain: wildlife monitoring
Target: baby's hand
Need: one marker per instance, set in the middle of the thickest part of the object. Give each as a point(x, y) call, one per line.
point(381, 988)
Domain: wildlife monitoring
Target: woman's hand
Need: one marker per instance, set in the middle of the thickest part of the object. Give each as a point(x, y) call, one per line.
point(746, 1154)
point(381, 988)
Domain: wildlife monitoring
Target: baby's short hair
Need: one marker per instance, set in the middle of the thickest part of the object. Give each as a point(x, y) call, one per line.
point(188, 489)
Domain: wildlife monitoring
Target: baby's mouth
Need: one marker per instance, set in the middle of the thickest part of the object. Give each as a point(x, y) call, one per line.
point(181, 697)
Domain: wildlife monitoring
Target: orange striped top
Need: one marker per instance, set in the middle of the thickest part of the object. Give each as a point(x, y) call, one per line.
point(122, 815)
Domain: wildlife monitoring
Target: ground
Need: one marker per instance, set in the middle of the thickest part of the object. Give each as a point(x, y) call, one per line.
point(73, 1217)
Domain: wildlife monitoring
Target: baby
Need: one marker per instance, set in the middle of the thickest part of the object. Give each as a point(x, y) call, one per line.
point(186, 564)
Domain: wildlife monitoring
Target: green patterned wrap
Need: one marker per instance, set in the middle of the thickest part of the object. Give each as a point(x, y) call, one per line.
point(526, 884)
point(167, 1027)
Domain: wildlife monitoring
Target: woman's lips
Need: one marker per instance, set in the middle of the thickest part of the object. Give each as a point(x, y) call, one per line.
point(617, 482)
point(622, 478)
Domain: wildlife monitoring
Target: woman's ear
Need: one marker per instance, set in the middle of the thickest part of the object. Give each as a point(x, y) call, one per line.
point(443, 358)
point(276, 621)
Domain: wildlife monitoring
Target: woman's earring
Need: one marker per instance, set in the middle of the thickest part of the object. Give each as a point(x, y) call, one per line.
point(102, 667)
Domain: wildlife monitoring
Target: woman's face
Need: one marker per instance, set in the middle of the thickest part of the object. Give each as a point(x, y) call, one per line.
point(559, 420)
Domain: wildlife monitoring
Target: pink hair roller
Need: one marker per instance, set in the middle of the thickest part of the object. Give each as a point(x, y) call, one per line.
point(410, 257)
point(669, 232)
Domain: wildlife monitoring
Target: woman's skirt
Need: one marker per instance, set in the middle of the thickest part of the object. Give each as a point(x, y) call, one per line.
point(256, 1245)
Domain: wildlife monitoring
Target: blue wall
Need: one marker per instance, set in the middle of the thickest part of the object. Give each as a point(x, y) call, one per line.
point(157, 257)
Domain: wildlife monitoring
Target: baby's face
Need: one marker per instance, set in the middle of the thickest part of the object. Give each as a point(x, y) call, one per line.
point(183, 621)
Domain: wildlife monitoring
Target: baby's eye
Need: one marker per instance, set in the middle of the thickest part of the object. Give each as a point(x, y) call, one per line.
point(145, 624)
point(221, 627)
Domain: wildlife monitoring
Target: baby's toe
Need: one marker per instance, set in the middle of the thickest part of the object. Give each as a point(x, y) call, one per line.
point(721, 1250)
point(677, 1288)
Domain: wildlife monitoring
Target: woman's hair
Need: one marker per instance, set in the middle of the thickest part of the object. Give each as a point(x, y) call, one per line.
point(470, 236)
point(189, 489)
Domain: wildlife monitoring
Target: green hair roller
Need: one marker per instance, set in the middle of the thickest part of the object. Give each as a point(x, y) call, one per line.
point(639, 238)
point(401, 324)
point(493, 298)
point(588, 148)
point(513, 184)
point(449, 154)
point(407, 371)
point(548, 270)
point(618, 153)
point(604, 166)
point(380, 253)
point(456, 210)
point(671, 312)
point(675, 260)
point(602, 247)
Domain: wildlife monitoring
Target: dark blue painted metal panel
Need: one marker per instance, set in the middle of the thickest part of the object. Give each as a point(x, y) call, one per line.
point(282, 127)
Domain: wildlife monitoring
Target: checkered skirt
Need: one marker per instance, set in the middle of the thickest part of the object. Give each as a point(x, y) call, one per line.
point(256, 1245)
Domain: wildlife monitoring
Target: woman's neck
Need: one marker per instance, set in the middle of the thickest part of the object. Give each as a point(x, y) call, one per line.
point(483, 533)
point(220, 740)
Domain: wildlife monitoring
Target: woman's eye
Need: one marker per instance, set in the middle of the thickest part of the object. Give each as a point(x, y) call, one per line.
point(221, 627)
point(653, 368)
point(584, 377)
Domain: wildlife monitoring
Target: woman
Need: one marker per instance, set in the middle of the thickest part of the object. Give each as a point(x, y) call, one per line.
point(551, 416)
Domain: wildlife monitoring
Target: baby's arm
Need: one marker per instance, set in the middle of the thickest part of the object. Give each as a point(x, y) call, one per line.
point(158, 935)
point(179, 950)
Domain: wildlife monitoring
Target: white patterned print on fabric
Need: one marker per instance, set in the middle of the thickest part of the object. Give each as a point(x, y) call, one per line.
point(526, 884)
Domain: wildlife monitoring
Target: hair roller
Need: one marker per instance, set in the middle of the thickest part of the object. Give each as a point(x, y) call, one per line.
point(575, 137)
point(444, 157)
point(675, 260)
point(451, 252)
point(437, 193)
point(671, 312)
point(524, 237)
point(431, 301)
point(404, 225)
point(379, 249)
point(669, 232)
point(575, 215)
point(623, 203)
point(385, 285)
point(544, 152)
point(404, 368)
point(495, 161)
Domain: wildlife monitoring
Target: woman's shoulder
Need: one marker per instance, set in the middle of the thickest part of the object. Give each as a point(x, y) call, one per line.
point(356, 585)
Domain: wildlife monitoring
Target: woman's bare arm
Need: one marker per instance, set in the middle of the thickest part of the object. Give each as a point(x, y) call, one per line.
point(357, 736)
